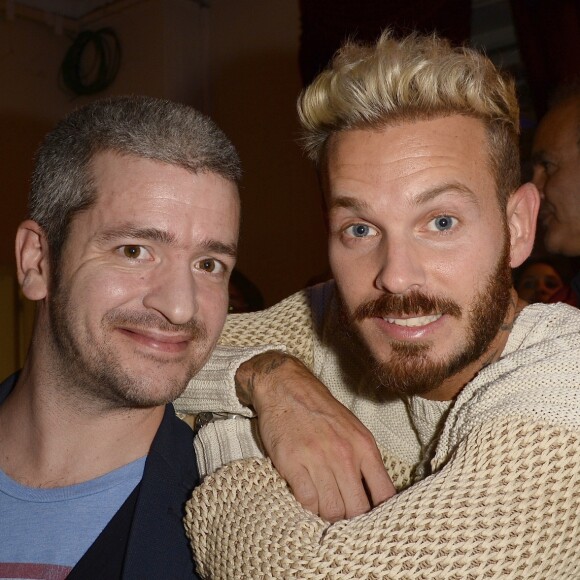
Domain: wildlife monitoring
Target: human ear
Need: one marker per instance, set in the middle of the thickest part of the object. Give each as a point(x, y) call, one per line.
point(32, 260)
point(522, 213)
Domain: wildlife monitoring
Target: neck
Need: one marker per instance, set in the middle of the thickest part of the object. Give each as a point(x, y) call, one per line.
point(51, 440)
point(453, 385)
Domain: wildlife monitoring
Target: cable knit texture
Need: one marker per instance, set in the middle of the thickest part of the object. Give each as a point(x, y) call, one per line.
point(502, 500)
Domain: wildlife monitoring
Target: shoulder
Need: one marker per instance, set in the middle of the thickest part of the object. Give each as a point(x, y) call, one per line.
point(536, 378)
point(544, 323)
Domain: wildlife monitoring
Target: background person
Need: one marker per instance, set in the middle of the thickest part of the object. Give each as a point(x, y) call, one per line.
point(537, 280)
point(556, 159)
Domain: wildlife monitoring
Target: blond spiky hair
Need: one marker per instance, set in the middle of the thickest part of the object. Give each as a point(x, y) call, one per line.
point(417, 77)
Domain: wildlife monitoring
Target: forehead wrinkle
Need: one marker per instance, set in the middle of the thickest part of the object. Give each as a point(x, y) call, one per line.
point(453, 188)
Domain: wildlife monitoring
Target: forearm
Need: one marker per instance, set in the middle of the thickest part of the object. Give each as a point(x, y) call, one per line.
point(488, 513)
point(263, 379)
point(285, 326)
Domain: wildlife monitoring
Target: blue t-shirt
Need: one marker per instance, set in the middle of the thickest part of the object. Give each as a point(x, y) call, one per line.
point(44, 532)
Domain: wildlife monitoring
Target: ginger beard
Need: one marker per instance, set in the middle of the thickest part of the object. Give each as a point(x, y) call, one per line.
point(410, 370)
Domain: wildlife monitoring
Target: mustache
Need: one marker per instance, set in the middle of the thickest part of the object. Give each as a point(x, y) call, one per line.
point(192, 329)
point(414, 303)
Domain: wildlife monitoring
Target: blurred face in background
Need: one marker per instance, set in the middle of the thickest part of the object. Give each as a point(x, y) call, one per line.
point(538, 283)
point(556, 158)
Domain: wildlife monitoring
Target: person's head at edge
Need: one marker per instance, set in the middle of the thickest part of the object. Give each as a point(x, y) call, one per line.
point(131, 237)
point(538, 280)
point(556, 160)
point(416, 144)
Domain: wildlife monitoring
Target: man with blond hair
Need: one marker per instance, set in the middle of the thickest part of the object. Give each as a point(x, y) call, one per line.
point(471, 395)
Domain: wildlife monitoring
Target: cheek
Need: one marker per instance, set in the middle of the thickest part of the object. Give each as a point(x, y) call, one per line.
point(213, 308)
point(103, 291)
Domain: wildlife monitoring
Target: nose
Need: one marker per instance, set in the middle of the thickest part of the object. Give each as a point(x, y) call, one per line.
point(172, 292)
point(401, 269)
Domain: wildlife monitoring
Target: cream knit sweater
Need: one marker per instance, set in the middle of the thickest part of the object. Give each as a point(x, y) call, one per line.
point(503, 500)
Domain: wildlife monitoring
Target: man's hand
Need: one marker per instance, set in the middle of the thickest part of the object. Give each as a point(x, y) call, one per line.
point(327, 456)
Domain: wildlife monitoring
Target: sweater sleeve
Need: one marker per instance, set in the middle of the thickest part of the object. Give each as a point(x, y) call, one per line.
point(506, 504)
point(286, 326)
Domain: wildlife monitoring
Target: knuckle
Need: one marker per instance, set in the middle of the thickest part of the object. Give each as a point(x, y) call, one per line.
point(305, 493)
point(333, 511)
point(344, 451)
point(368, 441)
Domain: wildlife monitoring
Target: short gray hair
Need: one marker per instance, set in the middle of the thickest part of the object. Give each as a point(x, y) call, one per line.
point(147, 127)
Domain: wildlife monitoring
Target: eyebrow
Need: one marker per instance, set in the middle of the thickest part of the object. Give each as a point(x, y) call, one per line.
point(221, 248)
point(452, 187)
point(163, 237)
point(348, 202)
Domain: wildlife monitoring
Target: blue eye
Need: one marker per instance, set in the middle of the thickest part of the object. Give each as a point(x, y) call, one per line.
point(360, 231)
point(443, 223)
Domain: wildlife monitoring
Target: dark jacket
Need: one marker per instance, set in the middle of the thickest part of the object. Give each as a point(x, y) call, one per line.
point(146, 537)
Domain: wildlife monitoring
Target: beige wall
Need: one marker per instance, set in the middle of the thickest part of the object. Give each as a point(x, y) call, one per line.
point(237, 60)
point(254, 84)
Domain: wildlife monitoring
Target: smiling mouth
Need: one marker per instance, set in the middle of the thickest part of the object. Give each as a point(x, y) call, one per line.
point(159, 336)
point(414, 321)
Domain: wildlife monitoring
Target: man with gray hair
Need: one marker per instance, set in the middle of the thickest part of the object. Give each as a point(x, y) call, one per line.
point(131, 237)
point(556, 159)
point(471, 395)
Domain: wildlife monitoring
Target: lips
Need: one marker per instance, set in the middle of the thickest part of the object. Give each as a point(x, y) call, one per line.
point(159, 337)
point(153, 332)
point(158, 342)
